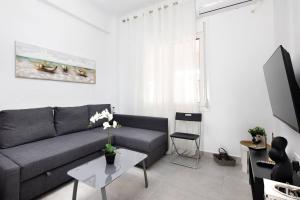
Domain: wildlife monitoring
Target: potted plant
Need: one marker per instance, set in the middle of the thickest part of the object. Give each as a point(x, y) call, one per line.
point(256, 134)
point(109, 150)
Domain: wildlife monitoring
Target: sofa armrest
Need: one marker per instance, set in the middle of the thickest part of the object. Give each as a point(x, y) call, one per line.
point(9, 179)
point(150, 123)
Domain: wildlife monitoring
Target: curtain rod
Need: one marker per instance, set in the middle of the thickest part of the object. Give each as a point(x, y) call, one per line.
point(151, 11)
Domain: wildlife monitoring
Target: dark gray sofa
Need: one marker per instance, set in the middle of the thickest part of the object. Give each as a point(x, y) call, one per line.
point(39, 146)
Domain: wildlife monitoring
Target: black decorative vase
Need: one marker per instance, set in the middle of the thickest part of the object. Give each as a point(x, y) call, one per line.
point(110, 158)
point(283, 170)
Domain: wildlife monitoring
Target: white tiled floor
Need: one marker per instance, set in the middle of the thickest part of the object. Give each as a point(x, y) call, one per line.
point(170, 182)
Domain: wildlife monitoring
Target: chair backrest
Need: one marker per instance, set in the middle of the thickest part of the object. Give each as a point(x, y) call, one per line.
point(194, 117)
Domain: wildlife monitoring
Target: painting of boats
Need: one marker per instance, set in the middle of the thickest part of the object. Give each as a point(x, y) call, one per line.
point(40, 63)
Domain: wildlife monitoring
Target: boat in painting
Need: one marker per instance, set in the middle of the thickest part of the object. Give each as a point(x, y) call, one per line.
point(82, 72)
point(45, 68)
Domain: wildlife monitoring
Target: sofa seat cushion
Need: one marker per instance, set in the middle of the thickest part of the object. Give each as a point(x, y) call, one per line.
point(71, 119)
point(42, 156)
point(26, 125)
point(139, 139)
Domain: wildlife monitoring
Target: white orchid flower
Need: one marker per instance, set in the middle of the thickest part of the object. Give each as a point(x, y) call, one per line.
point(110, 117)
point(102, 115)
point(92, 119)
point(105, 113)
point(106, 125)
point(115, 124)
point(95, 117)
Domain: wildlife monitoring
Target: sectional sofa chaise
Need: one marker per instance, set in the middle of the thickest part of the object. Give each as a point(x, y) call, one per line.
point(38, 146)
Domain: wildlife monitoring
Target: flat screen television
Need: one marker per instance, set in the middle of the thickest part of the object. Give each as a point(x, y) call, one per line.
point(284, 93)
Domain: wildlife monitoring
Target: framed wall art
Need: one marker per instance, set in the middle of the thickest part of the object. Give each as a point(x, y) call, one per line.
point(40, 63)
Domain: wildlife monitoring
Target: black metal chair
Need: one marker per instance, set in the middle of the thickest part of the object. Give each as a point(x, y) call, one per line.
point(188, 117)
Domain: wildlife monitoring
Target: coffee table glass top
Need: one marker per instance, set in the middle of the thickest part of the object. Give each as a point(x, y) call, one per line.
point(98, 174)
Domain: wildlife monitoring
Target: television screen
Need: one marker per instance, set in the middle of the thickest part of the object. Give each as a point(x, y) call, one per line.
point(283, 88)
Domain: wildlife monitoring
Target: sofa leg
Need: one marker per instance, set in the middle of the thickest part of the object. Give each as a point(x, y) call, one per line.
point(103, 192)
point(145, 174)
point(75, 190)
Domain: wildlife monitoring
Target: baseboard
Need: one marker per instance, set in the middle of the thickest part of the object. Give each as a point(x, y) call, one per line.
point(210, 154)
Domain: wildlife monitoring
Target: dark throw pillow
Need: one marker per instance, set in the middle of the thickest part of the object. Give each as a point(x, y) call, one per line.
point(71, 119)
point(26, 125)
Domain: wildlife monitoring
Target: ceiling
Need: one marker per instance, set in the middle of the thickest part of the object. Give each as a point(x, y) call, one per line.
point(122, 7)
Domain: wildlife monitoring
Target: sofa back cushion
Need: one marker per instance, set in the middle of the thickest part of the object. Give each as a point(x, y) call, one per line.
point(98, 108)
point(24, 126)
point(71, 119)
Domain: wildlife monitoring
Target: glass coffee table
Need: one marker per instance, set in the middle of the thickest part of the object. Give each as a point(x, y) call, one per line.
point(98, 174)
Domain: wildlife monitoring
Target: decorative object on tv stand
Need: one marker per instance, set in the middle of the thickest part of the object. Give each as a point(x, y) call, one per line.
point(40, 63)
point(110, 150)
point(282, 171)
point(258, 134)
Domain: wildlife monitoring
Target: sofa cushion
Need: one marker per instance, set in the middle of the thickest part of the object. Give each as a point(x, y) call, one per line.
point(27, 125)
point(139, 139)
point(97, 108)
point(71, 119)
point(42, 156)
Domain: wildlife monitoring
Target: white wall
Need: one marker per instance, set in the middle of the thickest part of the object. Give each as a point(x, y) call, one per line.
point(37, 23)
point(287, 33)
point(238, 43)
point(85, 10)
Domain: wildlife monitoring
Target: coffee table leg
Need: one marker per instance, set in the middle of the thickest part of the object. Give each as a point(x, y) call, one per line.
point(103, 192)
point(75, 190)
point(145, 174)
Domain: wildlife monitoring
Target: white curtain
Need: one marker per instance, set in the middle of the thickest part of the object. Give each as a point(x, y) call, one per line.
point(159, 62)
point(158, 57)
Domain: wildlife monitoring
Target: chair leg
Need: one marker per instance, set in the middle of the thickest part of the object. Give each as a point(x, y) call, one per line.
point(173, 144)
point(172, 147)
point(196, 157)
point(199, 140)
point(198, 146)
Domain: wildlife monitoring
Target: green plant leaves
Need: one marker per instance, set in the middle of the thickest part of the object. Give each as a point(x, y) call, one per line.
point(109, 148)
point(257, 131)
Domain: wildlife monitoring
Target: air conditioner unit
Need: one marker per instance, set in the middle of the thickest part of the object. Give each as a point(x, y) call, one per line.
point(209, 7)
